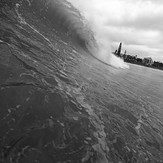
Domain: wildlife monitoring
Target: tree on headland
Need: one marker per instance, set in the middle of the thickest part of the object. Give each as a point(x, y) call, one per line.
point(158, 65)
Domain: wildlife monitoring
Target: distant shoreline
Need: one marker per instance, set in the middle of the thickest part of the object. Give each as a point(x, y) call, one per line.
point(146, 62)
point(141, 64)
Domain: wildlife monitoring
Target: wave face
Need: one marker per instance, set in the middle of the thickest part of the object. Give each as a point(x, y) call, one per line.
point(41, 64)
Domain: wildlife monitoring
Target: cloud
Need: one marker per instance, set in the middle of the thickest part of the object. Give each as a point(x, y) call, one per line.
point(138, 24)
point(144, 15)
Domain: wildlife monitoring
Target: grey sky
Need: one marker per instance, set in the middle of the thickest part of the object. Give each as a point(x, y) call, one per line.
point(136, 23)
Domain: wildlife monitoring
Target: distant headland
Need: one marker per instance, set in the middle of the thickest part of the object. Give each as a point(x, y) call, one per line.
point(148, 62)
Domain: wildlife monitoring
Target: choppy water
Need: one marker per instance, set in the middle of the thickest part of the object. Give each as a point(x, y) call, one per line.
point(59, 104)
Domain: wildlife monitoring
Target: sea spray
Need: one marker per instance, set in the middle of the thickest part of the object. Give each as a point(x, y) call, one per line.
point(97, 23)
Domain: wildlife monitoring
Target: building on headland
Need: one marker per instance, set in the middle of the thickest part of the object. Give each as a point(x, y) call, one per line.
point(124, 55)
point(148, 61)
point(119, 49)
point(132, 58)
point(118, 52)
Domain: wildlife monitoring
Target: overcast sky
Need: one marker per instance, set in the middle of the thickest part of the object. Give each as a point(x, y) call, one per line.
point(138, 24)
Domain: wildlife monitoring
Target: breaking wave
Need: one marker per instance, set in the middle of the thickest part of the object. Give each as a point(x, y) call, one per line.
point(84, 31)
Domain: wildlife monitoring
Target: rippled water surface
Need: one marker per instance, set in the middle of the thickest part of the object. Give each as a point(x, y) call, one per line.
point(59, 104)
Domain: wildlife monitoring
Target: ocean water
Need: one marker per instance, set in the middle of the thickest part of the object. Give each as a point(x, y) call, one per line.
point(60, 104)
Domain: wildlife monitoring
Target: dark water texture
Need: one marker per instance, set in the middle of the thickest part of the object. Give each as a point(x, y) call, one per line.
point(58, 104)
